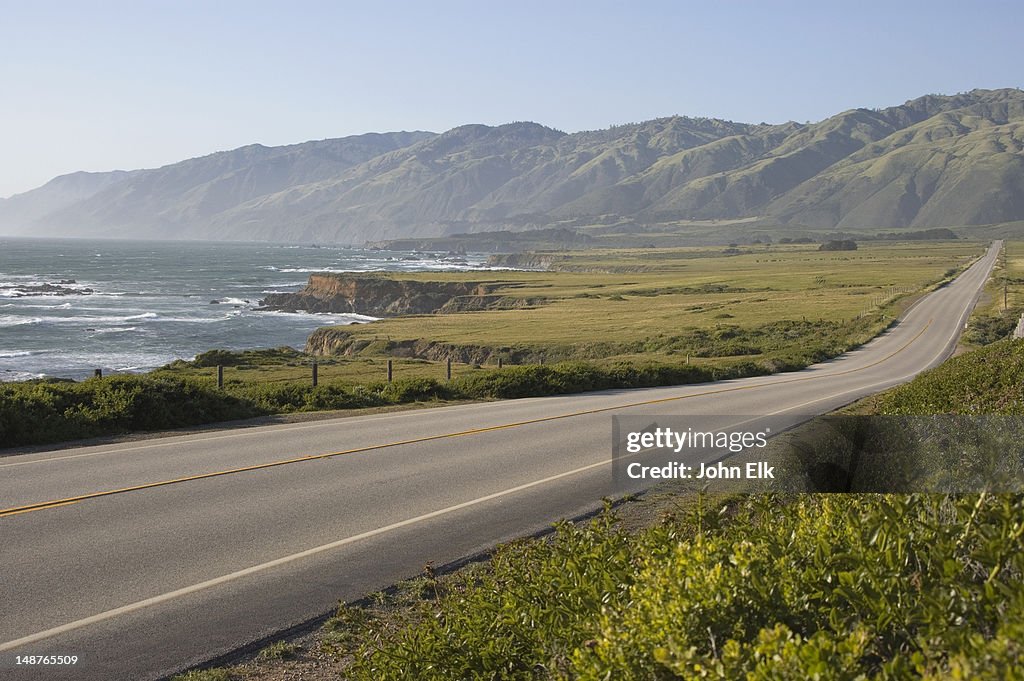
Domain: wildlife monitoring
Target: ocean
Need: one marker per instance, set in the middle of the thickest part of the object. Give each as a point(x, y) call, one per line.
point(70, 306)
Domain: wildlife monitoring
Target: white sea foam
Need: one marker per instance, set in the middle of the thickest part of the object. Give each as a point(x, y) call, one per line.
point(90, 319)
point(323, 317)
point(116, 329)
point(8, 320)
point(11, 376)
point(62, 306)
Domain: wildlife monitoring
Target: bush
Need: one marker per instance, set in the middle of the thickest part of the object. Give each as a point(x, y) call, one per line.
point(828, 586)
point(986, 329)
point(989, 380)
point(40, 412)
point(838, 245)
point(406, 390)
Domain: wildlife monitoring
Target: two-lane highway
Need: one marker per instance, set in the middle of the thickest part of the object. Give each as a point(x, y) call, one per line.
point(143, 558)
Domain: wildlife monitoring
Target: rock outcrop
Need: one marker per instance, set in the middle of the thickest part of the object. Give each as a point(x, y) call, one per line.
point(65, 287)
point(380, 295)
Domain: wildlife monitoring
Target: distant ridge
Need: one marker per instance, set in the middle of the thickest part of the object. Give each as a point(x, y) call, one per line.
point(935, 161)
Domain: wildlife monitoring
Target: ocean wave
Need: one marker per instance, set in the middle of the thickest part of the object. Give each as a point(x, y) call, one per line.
point(116, 329)
point(62, 306)
point(12, 376)
point(324, 317)
point(8, 320)
point(88, 319)
point(20, 353)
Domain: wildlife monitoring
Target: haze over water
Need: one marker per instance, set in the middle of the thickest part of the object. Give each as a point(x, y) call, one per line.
point(151, 302)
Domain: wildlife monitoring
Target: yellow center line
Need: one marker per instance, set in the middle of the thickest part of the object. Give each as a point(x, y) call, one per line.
point(38, 506)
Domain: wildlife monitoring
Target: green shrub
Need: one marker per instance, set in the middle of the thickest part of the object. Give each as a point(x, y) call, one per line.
point(986, 329)
point(989, 380)
point(279, 650)
point(39, 412)
point(404, 390)
point(828, 586)
point(204, 675)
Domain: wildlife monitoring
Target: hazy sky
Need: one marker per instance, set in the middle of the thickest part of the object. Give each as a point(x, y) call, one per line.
point(104, 85)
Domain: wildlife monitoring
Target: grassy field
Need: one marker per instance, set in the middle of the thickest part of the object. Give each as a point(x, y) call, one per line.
point(666, 302)
point(286, 365)
point(1002, 303)
point(640, 305)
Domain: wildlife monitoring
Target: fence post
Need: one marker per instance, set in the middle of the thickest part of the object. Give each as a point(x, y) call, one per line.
point(316, 373)
point(98, 373)
point(448, 369)
point(499, 362)
point(220, 375)
point(390, 371)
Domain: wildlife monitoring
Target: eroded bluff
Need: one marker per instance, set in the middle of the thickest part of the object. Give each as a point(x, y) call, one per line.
point(378, 295)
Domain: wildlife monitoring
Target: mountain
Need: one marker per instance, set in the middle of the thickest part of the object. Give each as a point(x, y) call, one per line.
point(179, 200)
point(935, 161)
point(20, 212)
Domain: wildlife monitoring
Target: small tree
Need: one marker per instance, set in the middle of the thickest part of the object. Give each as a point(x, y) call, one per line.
point(839, 245)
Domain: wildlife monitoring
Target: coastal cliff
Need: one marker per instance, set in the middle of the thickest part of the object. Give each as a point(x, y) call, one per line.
point(526, 260)
point(380, 295)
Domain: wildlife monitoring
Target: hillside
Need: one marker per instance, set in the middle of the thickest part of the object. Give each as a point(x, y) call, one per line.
point(935, 161)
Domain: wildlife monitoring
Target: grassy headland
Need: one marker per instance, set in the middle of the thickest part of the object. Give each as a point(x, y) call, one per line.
point(664, 304)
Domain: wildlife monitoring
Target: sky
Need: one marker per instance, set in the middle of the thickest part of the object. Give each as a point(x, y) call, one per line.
point(121, 85)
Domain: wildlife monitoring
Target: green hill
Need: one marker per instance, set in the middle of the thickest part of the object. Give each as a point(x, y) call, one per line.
point(936, 161)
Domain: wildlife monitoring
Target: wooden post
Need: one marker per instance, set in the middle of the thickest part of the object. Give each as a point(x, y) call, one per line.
point(316, 374)
point(98, 373)
point(220, 375)
point(499, 362)
point(390, 371)
point(448, 369)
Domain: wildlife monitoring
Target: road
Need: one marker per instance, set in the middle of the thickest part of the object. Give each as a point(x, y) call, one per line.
point(144, 558)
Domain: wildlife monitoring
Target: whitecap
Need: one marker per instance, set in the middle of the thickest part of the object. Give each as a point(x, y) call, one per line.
point(11, 376)
point(88, 319)
point(8, 320)
point(324, 317)
point(116, 329)
point(19, 353)
point(62, 306)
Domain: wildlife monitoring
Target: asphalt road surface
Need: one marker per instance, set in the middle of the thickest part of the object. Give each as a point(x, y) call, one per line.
point(144, 558)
